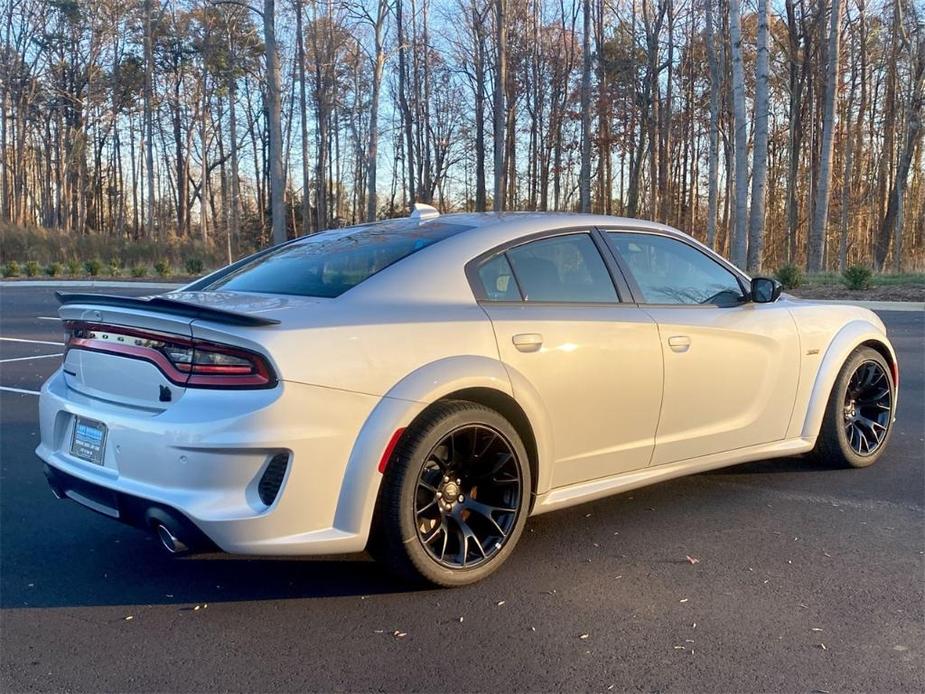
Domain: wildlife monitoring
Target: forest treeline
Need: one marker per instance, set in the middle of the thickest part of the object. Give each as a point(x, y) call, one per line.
point(784, 131)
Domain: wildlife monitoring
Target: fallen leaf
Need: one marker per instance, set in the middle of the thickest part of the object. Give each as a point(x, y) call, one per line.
point(692, 560)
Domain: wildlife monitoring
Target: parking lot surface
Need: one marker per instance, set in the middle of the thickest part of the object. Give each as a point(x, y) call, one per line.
point(777, 575)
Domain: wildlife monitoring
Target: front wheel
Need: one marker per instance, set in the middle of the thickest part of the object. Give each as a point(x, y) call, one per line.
point(859, 415)
point(455, 496)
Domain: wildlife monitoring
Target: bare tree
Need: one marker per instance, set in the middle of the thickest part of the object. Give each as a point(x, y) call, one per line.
point(760, 154)
point(584, 177)
point(817, 233)
point(739, 238)
point(713, 170)
point(499, 117)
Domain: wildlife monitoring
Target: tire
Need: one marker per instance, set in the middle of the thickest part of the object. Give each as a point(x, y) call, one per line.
point(422, 535)
point(851, 422)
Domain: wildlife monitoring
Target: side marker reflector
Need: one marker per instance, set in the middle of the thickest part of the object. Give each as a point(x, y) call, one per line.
point(390, 449)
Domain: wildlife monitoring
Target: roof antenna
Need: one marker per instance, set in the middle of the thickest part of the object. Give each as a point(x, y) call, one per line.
point(422, 212)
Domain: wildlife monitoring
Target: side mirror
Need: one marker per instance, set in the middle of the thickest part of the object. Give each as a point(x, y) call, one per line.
point(765, 290)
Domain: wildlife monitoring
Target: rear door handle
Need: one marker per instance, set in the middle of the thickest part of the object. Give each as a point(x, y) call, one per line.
point(528, 342)
point(679, 343)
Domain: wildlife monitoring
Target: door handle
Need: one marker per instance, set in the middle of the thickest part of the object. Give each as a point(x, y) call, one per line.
point(679, 343)
point(528, 342)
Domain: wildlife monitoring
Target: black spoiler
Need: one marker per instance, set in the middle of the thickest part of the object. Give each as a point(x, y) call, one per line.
point(162, 304)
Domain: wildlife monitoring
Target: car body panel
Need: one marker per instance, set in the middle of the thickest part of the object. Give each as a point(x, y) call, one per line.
point(732, 382)
point(607, 425)
point(355, 369)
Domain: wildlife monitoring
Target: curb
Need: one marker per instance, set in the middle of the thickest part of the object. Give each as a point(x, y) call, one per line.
point(110, 284)
point(874, 305)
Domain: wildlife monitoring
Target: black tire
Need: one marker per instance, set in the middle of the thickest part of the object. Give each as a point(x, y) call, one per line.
point(857, 426)
point(402, 516)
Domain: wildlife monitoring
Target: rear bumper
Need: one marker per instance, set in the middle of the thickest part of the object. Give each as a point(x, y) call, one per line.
point(201, 461)
point(132, 510)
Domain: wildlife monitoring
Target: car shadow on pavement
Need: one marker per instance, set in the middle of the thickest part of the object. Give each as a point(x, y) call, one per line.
point(776, 466)
point(136, 572)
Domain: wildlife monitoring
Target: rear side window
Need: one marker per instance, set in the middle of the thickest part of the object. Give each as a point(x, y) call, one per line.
point(498, 280)
point(565, 268)
point(331, 262)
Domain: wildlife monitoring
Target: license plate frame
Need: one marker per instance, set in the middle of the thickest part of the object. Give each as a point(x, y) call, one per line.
point(88, 440)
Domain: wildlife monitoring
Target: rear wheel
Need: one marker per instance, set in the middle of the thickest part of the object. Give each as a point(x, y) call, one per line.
point(859, 415)
point(455, 496)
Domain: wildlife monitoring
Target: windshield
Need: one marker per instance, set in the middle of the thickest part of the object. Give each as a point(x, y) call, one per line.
point(329, 263)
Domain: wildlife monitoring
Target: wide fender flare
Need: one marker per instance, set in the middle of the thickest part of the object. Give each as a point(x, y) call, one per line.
point(398, 408)
point(846, 340)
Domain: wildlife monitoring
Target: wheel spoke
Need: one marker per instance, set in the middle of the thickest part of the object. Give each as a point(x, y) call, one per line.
point(868, 407)
point(471, 461)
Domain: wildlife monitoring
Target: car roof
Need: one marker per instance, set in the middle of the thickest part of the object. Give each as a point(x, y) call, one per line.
point(544, 221)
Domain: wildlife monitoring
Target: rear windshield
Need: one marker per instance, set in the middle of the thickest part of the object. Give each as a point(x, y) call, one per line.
point(329, 263)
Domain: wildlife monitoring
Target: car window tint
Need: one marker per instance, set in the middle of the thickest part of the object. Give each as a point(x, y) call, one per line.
point(331, 262)
point(562, 268)
point(668, 271)
point(498, 280)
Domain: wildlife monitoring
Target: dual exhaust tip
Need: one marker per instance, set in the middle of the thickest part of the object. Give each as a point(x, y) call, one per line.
point(169, 541)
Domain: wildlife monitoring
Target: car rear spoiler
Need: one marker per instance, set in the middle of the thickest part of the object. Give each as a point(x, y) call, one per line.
point(162, 304)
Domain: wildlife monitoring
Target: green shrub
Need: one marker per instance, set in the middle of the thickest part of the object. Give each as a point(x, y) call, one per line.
point(858, 277)
point(139, 270)
point(114, 268)
point(32, 268)
point(790, 275)
point(54, 269)
point(93, 267)
point(194, 266)
point(162, 268)
point(73, 267)
point(11, 269)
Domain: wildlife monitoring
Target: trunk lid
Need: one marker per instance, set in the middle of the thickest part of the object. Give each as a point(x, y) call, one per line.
point(121, 379)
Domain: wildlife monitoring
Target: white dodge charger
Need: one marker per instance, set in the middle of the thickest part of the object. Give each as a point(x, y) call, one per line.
point(418, 387)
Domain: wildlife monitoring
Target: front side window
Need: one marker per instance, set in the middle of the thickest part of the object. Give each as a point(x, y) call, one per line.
point(331, 262)
point(565, 268)
point(668, 271)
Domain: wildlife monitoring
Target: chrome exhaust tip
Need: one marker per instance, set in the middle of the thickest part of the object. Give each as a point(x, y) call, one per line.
point(171, 542)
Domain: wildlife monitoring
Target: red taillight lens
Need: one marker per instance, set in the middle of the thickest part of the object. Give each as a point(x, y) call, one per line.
point(183, 360)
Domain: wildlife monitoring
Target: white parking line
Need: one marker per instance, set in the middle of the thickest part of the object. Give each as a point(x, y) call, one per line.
point(22, 391)
point(32, 342)
point(37, 356)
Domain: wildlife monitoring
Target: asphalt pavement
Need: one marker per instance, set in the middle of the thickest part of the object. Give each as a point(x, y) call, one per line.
point(776, 576)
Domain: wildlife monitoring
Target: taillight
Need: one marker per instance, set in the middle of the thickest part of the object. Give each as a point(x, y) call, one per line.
point(184, 361)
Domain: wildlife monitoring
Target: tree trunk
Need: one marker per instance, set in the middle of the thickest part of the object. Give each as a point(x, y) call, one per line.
point(274, 113)
point(372, 203)
point(739, 239)
point(712, 176)
point(584, 177)
point(499, 115)
point(303, 121)
point(892, 221)
point(817, 234)
point(149, 118)
point(760, 155)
